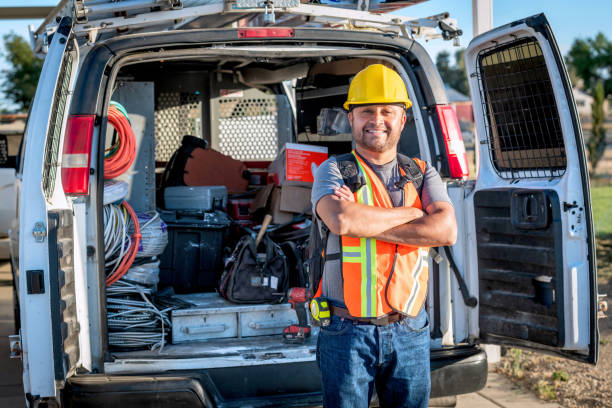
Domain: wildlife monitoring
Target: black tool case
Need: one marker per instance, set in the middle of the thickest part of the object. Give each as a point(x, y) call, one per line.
point(192, 260)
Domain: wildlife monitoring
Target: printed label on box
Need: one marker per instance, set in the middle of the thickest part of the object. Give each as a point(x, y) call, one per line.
point(302, 160)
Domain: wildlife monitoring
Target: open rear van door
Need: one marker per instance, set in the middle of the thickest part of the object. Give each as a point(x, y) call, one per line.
point(533, 229)
point(54, 324)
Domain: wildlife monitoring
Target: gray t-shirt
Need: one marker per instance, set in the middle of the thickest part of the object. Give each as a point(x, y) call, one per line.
point(328, 177)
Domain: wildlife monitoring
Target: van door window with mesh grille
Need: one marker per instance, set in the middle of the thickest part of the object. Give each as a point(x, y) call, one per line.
point(522, 121)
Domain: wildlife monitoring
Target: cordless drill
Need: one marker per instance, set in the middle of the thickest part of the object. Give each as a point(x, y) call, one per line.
point(298, 297)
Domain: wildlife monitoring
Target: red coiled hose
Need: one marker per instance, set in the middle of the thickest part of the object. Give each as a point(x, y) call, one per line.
point(123, 156)
point(128, 259)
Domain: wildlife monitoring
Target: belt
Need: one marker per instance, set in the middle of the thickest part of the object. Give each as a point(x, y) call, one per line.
point(377, 321)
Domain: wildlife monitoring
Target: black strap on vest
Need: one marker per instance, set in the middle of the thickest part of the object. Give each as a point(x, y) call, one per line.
point(413, 171)
point(349, 169)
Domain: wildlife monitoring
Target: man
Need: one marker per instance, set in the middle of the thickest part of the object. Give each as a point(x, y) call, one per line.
point(375, 274)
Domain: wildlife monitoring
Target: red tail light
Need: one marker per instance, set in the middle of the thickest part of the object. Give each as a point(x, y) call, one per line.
point(265, 32)
point(77, 154)
point(453, 141)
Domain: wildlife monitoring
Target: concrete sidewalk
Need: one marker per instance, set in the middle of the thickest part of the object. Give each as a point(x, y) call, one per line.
point(499, 392)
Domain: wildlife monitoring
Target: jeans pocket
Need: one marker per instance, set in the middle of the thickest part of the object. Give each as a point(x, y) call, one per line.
point(417, 324)
point(336, 327)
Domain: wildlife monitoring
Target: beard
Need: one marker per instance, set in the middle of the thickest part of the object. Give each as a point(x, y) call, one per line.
point(377, 143)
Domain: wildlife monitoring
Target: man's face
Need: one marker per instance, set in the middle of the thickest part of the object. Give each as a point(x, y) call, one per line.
point(377, 127)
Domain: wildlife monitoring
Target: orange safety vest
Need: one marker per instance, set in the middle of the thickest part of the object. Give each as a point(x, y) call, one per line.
point(381, 277)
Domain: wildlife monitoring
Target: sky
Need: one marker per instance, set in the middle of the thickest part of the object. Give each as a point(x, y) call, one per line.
point(569, 19)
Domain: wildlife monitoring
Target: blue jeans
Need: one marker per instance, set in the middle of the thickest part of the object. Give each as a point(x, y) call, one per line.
point(354, 358)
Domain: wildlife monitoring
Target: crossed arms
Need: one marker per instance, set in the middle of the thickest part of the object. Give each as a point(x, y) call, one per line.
point(401, 225)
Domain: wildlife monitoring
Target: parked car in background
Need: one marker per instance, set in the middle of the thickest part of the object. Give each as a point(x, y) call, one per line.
point(11, 133)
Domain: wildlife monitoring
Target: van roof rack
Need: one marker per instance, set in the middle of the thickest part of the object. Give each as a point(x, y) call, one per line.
point(100, 19)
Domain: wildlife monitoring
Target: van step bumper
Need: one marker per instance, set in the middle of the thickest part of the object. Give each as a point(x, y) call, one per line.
point(458, 371)
point(453, 371)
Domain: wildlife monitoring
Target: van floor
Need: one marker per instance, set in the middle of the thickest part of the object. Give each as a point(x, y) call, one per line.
point(210, 309)
point(257, 347)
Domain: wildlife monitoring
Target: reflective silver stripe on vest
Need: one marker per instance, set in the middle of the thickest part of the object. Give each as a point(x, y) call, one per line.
point(416, 273)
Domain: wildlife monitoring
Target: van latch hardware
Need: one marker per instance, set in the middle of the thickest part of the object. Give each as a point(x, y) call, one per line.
point(568, 206)
point(271, 356)
point(15, 345)
point(39, 232)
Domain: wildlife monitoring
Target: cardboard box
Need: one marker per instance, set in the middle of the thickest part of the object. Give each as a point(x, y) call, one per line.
point(278, 216)
point(260, 202)
point(295, 199)
point(296, 163)
point(283, 202)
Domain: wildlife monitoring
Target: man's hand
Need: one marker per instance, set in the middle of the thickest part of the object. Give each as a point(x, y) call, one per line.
point(437, 228)
point(343, 216)
point(343, 193)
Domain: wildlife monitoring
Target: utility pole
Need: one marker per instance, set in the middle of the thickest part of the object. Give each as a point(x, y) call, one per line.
point(482, 16)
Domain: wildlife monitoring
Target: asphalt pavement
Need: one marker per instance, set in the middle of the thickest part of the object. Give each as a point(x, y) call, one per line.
point(499, 392)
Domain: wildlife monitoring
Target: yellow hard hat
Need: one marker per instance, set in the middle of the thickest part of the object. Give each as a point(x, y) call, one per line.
point(377, 84)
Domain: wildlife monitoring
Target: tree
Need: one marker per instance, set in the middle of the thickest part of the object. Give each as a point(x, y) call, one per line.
point(443, 65)
point(597, 142)
point(20, 81)
point(453, 76)
point(591, 61)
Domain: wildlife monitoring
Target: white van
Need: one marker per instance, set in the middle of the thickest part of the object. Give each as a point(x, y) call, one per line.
point(522, 272)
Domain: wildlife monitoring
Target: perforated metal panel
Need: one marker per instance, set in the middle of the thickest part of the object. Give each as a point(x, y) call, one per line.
point(137, 99)
point(177, 114)
point(246, 127)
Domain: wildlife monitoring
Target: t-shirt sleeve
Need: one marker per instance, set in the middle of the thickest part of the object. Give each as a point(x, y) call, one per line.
point(326, 178)
point(433, 188)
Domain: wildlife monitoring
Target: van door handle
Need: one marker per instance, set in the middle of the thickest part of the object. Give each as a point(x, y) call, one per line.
point(270, 325)
point(529, 209)
point(211, 328)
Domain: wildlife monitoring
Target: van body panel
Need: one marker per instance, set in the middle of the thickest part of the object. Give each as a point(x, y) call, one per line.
point(533, 224)
point(79, 369)
point(47, 282)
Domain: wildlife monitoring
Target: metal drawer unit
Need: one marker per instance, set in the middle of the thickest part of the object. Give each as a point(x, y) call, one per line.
point(213, 317)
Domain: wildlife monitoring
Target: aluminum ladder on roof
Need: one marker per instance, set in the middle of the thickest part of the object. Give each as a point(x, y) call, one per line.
point(99, 19)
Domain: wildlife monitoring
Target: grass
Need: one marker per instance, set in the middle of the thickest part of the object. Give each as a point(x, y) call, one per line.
point(560, 376)
point(601, 199)
point(545, 391)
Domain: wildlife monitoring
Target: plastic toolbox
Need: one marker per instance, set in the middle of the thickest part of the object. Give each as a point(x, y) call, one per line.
point(203, 198)
point(192, 260)
point(214, 317)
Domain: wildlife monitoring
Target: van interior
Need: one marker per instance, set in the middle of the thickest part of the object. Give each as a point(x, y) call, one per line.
point(245, 109)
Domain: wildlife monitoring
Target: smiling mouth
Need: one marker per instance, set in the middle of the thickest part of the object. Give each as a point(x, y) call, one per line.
point(376, 132)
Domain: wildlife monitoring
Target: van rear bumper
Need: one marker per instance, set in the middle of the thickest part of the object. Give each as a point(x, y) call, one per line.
point(453, 371)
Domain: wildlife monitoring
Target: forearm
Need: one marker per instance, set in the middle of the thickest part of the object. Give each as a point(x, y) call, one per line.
point(436, 229)
point(359, 220)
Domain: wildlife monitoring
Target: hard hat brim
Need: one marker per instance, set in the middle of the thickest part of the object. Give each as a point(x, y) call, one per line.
point(350, 105)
